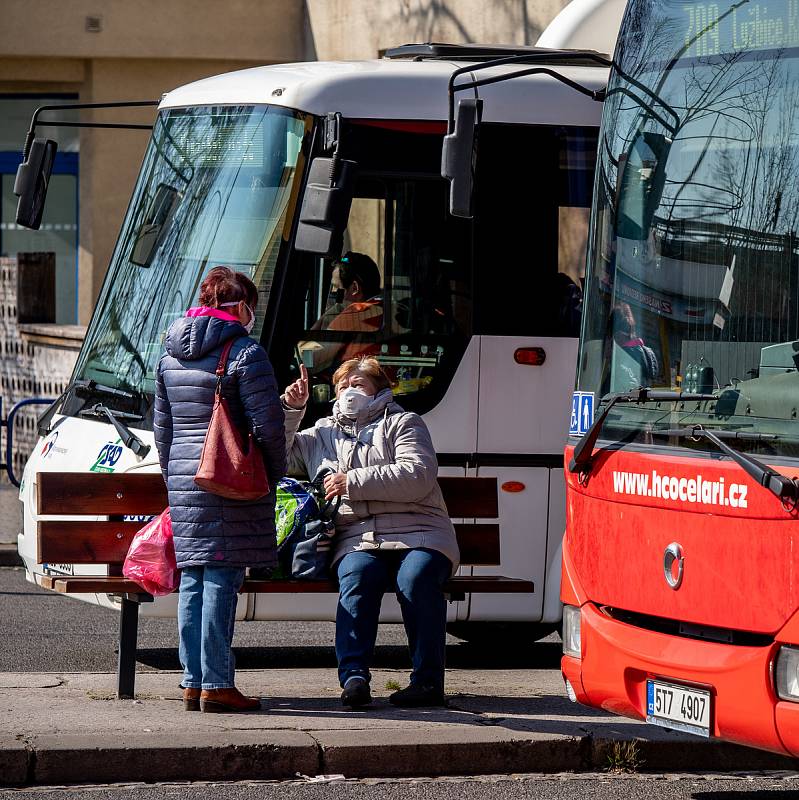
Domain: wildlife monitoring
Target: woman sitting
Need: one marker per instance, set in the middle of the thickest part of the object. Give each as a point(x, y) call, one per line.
point(392, 527)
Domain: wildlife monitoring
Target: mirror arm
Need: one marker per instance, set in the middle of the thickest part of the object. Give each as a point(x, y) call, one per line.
point(73, 106)
point(594, 94)
point(498, 62)
point(672, 129)
point(332, 132)
point(333, 141)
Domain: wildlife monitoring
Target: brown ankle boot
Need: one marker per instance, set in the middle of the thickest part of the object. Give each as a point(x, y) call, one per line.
point(191, 699)
point(224, 701)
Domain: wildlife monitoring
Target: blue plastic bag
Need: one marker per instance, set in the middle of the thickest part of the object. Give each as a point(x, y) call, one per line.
point(305, 529)
point(295, 503)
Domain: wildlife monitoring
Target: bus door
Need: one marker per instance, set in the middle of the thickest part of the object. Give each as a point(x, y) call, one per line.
point(531, 227)
point(417, 320)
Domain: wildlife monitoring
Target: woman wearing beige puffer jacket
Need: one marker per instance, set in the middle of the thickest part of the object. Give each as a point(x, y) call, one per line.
point(392, 527)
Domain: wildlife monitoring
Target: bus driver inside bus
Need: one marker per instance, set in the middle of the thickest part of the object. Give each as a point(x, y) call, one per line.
point(356, 306)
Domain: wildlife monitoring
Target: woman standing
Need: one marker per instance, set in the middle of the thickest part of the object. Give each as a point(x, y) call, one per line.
point(215, 538)
point(392, 528)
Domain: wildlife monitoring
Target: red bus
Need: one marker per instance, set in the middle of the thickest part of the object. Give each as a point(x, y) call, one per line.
point(681, 555)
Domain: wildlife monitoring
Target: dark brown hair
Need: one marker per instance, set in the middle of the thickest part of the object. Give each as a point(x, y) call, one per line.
point(359, 267)
point(224, 285)
point(366, 365)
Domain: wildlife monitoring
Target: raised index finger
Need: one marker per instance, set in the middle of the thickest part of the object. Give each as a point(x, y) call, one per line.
point(304, 374)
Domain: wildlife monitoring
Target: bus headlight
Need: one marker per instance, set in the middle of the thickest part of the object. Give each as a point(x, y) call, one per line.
point(787, 674)
point(571, 632)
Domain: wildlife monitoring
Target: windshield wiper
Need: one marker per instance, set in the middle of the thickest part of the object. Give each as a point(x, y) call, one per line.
point(129, 438)
point(741, 436)
point(784, 488)
point(83, 388)
point(582, 458)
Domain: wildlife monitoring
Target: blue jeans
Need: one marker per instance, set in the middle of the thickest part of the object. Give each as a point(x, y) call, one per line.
point(417, 577)
point(206, 616)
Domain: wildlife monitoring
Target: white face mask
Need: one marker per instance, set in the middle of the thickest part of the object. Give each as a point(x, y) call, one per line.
point(353, 400)
point(251, 324)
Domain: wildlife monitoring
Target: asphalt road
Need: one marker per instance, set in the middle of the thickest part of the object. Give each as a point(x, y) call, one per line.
point(42, 631)
point(516, 787)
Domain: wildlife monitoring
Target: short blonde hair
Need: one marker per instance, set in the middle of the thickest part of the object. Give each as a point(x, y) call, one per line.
point(368, 365)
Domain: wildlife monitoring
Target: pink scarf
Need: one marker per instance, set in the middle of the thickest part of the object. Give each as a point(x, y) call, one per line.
point(207, 311)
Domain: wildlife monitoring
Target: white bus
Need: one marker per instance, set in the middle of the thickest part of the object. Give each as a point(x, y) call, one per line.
point(480, 316)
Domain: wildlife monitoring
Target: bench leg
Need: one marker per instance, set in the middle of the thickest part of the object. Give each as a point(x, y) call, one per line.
point(128, 635)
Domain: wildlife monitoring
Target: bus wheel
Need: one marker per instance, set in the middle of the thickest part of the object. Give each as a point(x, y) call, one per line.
point(501, 633)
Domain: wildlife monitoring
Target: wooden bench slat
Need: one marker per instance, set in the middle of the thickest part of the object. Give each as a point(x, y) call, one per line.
point(460, 583)
point(83, 542)
point(478, 543)
point(91, 584)
point(470, 497)
point(86, 542)
point(64, 493)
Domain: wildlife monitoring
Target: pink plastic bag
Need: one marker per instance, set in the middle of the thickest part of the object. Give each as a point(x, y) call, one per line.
point(151, 557)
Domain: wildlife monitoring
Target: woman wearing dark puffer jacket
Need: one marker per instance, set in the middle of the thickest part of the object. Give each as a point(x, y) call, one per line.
point(215, 538)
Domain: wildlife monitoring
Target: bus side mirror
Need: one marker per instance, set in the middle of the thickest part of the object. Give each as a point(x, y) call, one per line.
point(459, 158)
point(33, 178)
point(326, 206)
point(640, 184)
point(155, 225)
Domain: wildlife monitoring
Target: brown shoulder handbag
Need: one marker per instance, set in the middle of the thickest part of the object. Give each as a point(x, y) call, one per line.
point(226, 467)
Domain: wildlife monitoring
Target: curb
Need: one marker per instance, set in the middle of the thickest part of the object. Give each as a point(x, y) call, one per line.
point(285, 754)
point(92, 759)
point(9, 556)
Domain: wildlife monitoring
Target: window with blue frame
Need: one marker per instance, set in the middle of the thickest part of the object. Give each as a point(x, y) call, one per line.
point(59, 230)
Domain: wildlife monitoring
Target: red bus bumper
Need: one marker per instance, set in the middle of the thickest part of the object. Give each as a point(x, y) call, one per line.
point(617, 659)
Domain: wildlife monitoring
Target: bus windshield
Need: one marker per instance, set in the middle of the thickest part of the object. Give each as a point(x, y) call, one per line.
point(693, 277)
point(214, 188)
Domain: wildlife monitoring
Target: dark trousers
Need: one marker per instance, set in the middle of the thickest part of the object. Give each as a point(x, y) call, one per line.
point(417, 576)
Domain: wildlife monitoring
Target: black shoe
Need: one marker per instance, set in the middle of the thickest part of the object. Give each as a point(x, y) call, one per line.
point(417, 696)
point(356, 692)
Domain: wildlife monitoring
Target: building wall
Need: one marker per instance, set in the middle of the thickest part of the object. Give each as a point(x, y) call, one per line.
point(353, 29)
point(244, 30)
point(138, 52)
point(31, 365)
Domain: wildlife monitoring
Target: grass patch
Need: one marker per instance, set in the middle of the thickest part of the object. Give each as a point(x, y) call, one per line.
point(101, 694)
point(392, 686)
point(97, 694)
point(624, 757)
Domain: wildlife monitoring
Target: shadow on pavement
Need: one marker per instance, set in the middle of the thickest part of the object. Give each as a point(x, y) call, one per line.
point(542, 655)
point(526, 706)
point(536, 715)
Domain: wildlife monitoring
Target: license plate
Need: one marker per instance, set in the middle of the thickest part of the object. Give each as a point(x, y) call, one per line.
point(678, 707)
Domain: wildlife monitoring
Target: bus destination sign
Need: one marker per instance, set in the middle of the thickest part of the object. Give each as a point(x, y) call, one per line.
point(713, 28)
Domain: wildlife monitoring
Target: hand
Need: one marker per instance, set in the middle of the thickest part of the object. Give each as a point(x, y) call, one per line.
point(335, 485)
point(296, 394)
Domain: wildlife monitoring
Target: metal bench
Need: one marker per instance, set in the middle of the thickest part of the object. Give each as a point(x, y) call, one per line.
point(106, 542)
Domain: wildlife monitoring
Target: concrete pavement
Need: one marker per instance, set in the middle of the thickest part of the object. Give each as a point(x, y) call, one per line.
point(69, 728)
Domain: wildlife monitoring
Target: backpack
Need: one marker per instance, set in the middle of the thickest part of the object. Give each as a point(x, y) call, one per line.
point(305, 529)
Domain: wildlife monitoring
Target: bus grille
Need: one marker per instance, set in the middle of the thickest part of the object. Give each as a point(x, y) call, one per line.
point(688, 630)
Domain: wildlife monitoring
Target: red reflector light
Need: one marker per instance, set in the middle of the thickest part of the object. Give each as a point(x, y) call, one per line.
point(531, 356)
point(513, 486)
